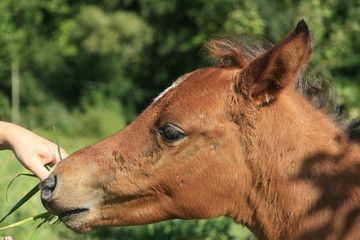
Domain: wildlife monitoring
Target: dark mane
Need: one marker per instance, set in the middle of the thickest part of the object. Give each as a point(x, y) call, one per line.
point(229, 51)
point(226, 49)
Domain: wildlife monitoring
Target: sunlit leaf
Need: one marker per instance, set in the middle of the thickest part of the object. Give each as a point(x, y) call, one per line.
point(45, 216)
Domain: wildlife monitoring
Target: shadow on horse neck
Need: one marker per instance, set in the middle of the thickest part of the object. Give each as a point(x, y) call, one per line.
point(247, 139)
point(304, 175)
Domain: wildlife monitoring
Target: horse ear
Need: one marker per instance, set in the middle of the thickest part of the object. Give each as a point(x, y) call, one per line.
point(278, 68)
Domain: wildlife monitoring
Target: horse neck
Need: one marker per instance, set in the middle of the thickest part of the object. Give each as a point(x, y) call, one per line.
point(305, 175)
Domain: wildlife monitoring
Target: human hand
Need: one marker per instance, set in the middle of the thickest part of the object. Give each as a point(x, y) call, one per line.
point(33, 151)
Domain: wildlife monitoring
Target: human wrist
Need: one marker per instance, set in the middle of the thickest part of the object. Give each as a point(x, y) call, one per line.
point(6, 133)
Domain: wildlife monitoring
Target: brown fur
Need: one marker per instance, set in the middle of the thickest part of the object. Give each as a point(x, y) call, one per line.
point(254, 150)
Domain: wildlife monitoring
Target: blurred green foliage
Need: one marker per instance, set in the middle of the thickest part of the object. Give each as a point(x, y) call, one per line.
point(89, 67)
point(130, 50)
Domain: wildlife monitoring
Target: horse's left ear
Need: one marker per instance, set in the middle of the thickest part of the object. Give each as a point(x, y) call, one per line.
point(278, 68)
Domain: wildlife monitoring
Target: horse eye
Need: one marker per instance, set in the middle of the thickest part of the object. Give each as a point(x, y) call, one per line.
point(170, 134)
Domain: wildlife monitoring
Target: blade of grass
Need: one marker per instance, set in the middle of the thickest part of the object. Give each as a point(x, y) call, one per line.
point(57, 143)
point(41, 224)
point(22, 174)
point(31, 193)
point(54, 219)
point(44, 215)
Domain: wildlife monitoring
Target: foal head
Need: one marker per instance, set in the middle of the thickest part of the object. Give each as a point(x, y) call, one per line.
point(190, 153)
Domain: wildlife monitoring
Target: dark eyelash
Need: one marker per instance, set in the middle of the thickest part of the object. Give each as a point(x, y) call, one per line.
point(170, 134)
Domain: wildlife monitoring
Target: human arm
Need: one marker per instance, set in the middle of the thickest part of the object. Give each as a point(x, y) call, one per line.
point(33, 151)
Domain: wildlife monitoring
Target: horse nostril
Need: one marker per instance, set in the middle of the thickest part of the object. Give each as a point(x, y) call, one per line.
point(47, 187)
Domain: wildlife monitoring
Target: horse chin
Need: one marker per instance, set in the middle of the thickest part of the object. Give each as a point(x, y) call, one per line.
point(77, 220)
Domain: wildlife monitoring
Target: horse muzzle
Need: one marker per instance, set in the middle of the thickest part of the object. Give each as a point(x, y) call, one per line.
point(67, 197)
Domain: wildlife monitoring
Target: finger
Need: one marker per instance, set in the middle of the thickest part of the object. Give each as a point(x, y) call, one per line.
point(60, 155)
point(39, 170)
point(53, 154)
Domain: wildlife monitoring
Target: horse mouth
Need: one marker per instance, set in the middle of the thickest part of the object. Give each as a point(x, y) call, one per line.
point(68, 215)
